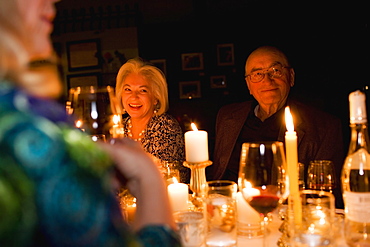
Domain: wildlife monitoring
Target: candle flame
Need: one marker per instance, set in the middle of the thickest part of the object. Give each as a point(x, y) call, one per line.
point(289, 120)
point(94, 111)
point(194, 127)
point(175, 180)
point(116, 119)
point(78, 123)
point(249, 191)
point(248, 185)
point(262, 149)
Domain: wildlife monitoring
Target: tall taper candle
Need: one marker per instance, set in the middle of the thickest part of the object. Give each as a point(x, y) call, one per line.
point(292, 166)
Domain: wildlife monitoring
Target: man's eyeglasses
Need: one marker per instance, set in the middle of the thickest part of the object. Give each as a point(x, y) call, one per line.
point(275, 71)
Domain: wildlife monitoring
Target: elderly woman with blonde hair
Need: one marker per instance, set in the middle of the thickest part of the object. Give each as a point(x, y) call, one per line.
point(141, 88)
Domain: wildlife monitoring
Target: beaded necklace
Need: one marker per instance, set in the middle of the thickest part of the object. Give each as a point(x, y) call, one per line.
point(129, 132)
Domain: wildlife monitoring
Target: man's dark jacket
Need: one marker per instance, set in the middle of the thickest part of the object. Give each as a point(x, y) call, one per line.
point(320, 137)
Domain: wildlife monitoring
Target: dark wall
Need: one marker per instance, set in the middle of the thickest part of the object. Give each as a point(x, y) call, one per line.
point(326, 42)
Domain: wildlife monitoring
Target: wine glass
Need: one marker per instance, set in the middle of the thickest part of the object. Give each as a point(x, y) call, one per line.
point(321, 175)
point(96, 111)
point(262, 178)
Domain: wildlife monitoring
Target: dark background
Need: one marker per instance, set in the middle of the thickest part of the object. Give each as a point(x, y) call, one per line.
point(326, 41)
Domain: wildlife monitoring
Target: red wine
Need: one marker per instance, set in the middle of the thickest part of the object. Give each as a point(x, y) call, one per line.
point(264, 203)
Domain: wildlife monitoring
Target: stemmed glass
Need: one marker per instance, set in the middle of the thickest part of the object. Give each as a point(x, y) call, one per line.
point(263, 179)
point(96, 111)
point(321, 175)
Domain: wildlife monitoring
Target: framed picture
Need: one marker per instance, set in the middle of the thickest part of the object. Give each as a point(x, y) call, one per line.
point(160, 63)
point(192, 61)
point(225, 54)
point(84, 55)
point(189, 89)
point(218, 81)
point(82, 80)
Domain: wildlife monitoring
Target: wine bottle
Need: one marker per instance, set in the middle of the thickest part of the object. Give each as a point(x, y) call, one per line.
point(356, 175)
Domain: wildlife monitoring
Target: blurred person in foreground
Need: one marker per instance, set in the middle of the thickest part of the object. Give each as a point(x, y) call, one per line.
point(269, 77)
point(141, 89)
point(56, 185)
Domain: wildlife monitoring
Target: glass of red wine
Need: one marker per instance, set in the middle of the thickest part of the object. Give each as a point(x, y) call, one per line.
point(262, 178)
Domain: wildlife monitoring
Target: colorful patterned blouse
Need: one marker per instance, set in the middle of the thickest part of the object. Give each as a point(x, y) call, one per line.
point(54, 182)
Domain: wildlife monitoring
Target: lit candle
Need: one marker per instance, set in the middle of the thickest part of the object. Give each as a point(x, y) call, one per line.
point(292, 166)
point(196, 145)
point(131, 211)
point(115, 131)
point(178, 194)
point(246, 214)
point(79, 123)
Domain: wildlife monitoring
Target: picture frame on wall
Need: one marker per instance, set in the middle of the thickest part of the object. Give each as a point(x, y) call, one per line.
point(225, 54)
point(84, 55)
point(83, 80)
point(189, 89)
point(192, 61)
point(218, 81)
point(160, 63)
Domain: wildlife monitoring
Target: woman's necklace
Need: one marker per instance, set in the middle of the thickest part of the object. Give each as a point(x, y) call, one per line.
point(129, 131)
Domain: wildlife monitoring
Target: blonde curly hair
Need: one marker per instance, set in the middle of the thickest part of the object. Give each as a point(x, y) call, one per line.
point(154, 76)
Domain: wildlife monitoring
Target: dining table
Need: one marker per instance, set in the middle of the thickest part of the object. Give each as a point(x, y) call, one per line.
point(274, 233)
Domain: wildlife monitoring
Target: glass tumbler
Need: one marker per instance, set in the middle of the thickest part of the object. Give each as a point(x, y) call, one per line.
point(321, 175)
point(221, 213)
point(315, 225)
point(191, 228)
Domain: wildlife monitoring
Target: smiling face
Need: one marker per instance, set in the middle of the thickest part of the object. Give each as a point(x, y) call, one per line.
point(270, 91)
point(137, 97)
point(38, 16)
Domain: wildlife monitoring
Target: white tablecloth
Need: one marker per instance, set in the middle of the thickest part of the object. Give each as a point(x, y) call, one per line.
point(273, 236)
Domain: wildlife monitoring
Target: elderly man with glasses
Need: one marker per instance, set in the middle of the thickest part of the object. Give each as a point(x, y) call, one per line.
point(269, 78)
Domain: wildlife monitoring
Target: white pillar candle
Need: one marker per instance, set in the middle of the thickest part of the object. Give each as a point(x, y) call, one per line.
point(196, 145)
point(178, 195)
point(292, 166)
point(246, 214)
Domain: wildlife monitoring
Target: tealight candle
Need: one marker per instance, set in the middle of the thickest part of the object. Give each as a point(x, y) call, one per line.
point(178, 195)
point(196, 145)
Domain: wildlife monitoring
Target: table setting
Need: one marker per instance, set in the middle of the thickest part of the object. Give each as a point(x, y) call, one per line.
point(291, 215)
point(238, 222)
point(271, 204)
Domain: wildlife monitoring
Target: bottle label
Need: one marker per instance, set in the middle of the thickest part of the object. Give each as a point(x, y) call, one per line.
point(357, 206)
